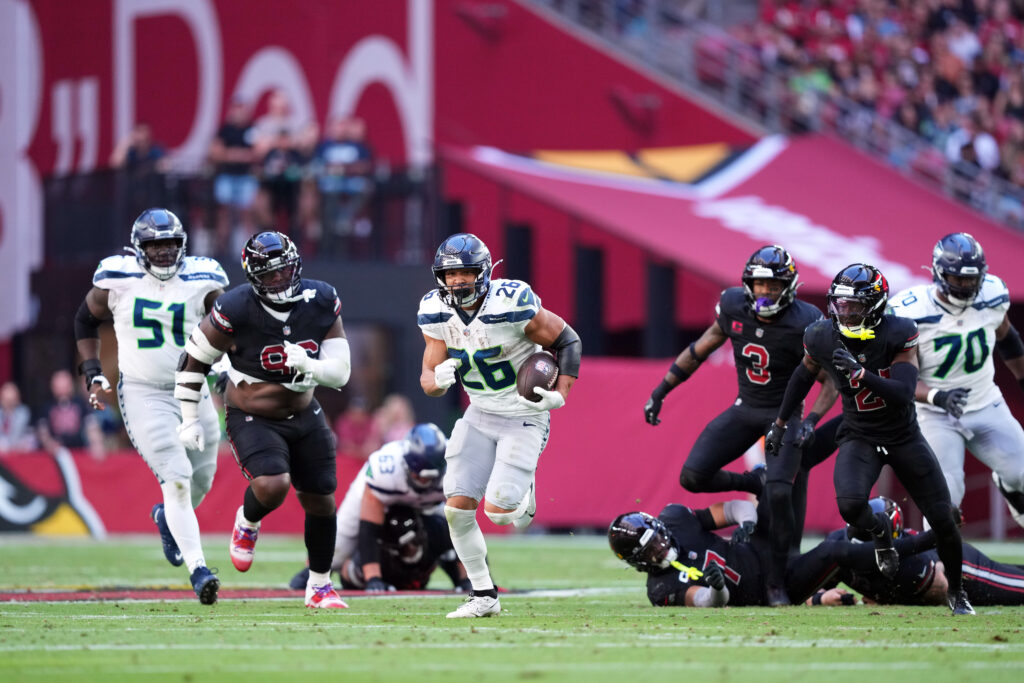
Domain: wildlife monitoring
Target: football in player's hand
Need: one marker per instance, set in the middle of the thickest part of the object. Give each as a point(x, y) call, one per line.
point(538, 370)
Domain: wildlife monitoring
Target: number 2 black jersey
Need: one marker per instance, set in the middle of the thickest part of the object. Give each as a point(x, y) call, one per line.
point(765, 353)
point(698, 547)
point(258, 337)
point(866, 415)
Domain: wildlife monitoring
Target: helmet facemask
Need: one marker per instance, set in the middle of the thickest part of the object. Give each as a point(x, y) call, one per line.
point(770, 263)
point(464, 294)
point(462, 252)
point(856, 301)
point(643, 541)
point(273, 267)
point(959, 255)
point(158, 242)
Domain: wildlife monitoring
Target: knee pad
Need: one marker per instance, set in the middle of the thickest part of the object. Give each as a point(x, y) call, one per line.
point(851, 508)
point(179, 491)
point(507, 496)
point(692, 480)
point(501, 518)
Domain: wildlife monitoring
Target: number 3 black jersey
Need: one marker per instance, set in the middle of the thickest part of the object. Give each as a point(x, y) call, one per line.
point(866, 415)
point(698, 547)
point(765, 353)
point(258, 337)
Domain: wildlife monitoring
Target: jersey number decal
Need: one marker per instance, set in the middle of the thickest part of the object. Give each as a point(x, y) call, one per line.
point(730, 573)
point(975, 348)
point(155, 327)
point(758, 370)
point(272, 357)
point(496, 376)
point(866, 401)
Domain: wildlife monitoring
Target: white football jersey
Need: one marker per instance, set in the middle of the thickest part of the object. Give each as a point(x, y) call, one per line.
point(153, 318)
point(955, 346)
point(491, 346)
point(385, 474)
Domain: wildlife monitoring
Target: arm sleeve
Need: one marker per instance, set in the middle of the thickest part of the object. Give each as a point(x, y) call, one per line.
point(897, 389)
point(369, 548)
point(800, 383)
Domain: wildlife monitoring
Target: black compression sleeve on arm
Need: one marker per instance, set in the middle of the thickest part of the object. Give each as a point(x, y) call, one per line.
point(87, 326)
point(897, 389)
point(570, 351)
point(799, 384)
point(706, 519)
point(1011, 346)
point(369, 548)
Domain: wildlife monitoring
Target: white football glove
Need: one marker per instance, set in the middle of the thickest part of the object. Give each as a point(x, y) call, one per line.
point(190, 433)
point(296, 358)
point(444, 374)
point(549, 400)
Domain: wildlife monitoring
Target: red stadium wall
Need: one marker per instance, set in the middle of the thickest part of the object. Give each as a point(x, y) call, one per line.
point(596, 465)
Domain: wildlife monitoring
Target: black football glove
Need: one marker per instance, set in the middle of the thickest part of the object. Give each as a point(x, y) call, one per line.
point(714, 576)
point(773, 439)
point(952, 401)
point(742, 533)
point(221, 384)
point(651, 410)
point(804, 434)
point(845, 363)
point(379, 585)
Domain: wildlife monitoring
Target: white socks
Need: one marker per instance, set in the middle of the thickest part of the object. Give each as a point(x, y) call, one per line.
point(469, 545)
point(317, 579)
point(181, 520)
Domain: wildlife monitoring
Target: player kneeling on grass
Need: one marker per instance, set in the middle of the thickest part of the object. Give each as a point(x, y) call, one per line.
point(406, 474)
point(688, 565)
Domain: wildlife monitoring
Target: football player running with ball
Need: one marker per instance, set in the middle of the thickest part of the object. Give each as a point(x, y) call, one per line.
point(283, 337)
point(154, 296)
point(872, 358)
point(480, 330)
point(962, 319)
point(765, 323)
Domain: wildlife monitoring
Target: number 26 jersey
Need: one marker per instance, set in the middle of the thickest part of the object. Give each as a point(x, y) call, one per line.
point(489, 343)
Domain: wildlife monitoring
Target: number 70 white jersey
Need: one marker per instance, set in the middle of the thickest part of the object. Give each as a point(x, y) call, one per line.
point(491, 346)
point(152, 318)
point(955, 346)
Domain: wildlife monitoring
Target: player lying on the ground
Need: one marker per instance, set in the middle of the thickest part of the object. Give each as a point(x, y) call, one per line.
point(921, 579)
point(405, 472)
point(688, 565)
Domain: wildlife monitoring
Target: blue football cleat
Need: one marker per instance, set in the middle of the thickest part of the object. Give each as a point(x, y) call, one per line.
point(206, 585)
point(171, 551)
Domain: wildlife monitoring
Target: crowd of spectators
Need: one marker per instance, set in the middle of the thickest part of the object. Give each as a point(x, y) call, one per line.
point(950, 72)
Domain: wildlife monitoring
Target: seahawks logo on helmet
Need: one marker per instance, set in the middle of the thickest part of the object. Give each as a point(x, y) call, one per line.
point(462, 252)
point(959, 256)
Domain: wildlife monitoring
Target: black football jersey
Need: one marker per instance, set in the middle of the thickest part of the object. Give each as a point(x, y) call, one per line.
point(866, 415)
point(258, 337)
point(765, 353)
point(915, 576)
point(697, 548)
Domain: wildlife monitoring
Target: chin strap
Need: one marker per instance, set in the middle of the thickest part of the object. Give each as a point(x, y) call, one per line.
point(863, 334)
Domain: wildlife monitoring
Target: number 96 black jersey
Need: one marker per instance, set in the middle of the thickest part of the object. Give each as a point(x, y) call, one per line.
point(865, 414)
point(258, 337)
point(765, 353)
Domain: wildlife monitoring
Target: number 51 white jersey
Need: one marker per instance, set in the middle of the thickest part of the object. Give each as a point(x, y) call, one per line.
point(491, 346)
point(153, 318)
point(956, 345)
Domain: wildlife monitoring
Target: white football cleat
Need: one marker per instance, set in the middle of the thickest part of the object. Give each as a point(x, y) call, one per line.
point(324, 597)
point(476, 606)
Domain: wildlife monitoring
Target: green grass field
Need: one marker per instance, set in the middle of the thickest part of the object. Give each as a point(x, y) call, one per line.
point(603, 631)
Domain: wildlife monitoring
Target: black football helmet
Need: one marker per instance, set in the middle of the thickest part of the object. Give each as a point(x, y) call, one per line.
point(273, 267)
point(403, 536)
point(885, 505)
point(960, 255)
point(456, 253)
point(643, 541)
point(770, 263)
point(164, 261)
point(424, 456)
point(856, 300)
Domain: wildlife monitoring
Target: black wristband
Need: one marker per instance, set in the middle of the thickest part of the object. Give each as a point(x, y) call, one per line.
point(816, 598)
point(847, 599)
point(813, 418)
point(90, 368)
point(678, 372)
